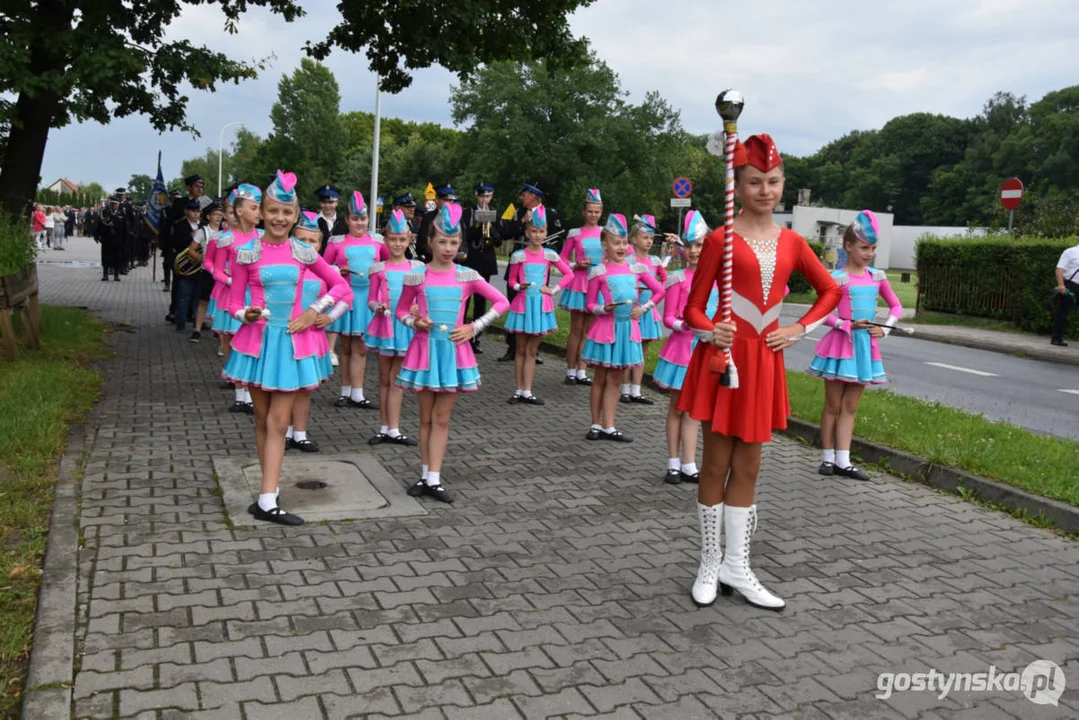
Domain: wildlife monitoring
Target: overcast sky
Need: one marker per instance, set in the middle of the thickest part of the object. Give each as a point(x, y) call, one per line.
point(810, 71)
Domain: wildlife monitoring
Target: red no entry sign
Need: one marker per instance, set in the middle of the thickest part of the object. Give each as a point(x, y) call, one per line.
point(1011, 194)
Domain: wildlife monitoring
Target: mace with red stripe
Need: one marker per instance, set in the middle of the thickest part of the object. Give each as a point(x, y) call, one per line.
point(729, 105)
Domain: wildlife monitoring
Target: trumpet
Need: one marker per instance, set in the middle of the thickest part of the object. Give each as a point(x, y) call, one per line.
point(484, 218)
point(185, 265)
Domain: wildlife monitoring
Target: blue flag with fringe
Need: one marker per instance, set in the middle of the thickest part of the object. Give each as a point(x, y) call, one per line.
point(158, 201)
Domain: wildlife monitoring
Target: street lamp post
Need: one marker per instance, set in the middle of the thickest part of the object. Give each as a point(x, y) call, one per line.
point(220, 152)
point(372, 200)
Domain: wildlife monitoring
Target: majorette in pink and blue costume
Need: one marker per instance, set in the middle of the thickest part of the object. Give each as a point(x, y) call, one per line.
point(531, 311)
point(386, 335)
point(225, 260)
point(650, 321)
point(355, 254)
point(670, 370)
point(264, 354)
point(313, 286)
point(433, 361)
point(209, 254)
point(850, 355)
point(582, 246)
point(614, 341)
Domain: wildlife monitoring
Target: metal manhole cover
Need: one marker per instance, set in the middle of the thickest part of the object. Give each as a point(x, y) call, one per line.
point(311, 485)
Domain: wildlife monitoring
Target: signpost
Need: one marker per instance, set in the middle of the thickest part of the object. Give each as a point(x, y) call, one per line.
point(682, 190)
point(429, 192)
point(1011, 194)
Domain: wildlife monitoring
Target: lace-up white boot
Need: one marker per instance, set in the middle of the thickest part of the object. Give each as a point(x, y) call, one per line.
point(711, 522)
point(735, 573)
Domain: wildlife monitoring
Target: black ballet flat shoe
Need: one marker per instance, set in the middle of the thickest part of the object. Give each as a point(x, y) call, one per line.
point(278, 516)
point(616, 436)
point(289, 444)
point(439, 493)
point(401, 440)
point(584, 381)
point(826, 468)
point(170, 318)
point(1058, 343)
point(569, 380)
point(531, 400)
point(378, 439)
point(476, 349)
point(694, 479)
point(593, 434)
point(305, 445)
point(852, 472)
point(341, 401)
point(539, 360)
point(238, 407)
point(673, 477)
point(365, 404)
point(641, 400)
point(514, 399)
point(420, 488)
point(625, 398)
point(249, 408)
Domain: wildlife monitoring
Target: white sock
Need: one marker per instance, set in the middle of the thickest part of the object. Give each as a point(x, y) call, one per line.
point(288, 433)
point(597, 426)
point(247, 396)
point(394, 432)
point(425, 472)
point(673, 463)
point(525, 393)
point(277, 492)
point(635, 390)
point(434, 479)
point(842, 458)
point(299, 435)
point(239, 394)
point(582, 375)
point(689, 468)
point(571, 373)
point(519, 392)
point(384, 429)
point(828, 455)
point(625, 388)
point(267, 501)
point(609, 430)
point(357, 394)
point(346, 390)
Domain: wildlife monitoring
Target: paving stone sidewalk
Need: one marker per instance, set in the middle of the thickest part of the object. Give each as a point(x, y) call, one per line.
point(556, 586)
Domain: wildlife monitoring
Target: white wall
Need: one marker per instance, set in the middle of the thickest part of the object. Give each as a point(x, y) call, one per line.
point(905, 241)
point(828, 224)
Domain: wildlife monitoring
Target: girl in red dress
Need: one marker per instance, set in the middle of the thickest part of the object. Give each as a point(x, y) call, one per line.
point(741, 420)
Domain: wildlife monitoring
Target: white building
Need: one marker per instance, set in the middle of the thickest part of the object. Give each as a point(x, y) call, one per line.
point(64, 187)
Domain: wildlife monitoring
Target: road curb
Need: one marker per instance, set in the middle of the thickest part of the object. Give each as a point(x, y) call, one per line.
point(52, 659)
point(1063, 516)
point(1045, 355)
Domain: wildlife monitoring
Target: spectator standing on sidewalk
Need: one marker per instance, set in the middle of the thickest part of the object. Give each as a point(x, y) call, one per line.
point(1067, 287)
point(39, 227)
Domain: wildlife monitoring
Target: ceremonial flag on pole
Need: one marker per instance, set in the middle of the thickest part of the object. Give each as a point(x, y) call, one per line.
point(159, 199)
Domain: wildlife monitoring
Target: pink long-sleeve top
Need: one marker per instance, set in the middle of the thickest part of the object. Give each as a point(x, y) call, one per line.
point(582, 246)
point(859, 302)
point(356, 254)
point(253, 260)
point(381, 292)
point(678, 346)
point(655, 267)
point(618, 283)
point(527, 265)
point(446, 289)
point(225, 258)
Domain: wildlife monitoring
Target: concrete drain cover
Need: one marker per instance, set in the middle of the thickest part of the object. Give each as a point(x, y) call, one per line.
point(329, 487)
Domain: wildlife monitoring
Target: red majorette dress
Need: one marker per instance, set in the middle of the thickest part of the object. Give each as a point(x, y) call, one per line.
point(761, 271)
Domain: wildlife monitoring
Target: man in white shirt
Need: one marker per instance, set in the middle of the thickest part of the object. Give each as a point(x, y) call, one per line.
point(1067, 290)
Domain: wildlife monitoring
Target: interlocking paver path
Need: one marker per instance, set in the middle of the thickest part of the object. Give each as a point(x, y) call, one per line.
point(556, 586)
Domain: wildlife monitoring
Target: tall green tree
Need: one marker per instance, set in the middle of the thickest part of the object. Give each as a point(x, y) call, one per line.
point(139, 187)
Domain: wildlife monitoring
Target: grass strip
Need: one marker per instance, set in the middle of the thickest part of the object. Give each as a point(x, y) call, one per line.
point(1044, 466)
point(41, 394)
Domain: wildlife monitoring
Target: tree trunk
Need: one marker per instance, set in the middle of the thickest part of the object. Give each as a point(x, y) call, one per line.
point(21, 171)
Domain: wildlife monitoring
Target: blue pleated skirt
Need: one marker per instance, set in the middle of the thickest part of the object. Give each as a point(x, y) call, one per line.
point(650, 329)
point(861, 369)
point(354, 321)
point(572, 300)
point(276, 368)
point(395, 346)
point(622, 353)
point(533, 321)
point(669, 375)
point(223, 322)
point(441, 373)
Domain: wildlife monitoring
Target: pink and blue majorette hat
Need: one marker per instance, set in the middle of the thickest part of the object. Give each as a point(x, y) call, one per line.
point(283, 188)
point(538, 217)
point(646, 222)
point(356, 204)
point(866, 227)
point(398, 224)
point(616, 225)
point(694, 229)
point(448, 219)
point(308, 221)
point(593, 196)
point(245, 191)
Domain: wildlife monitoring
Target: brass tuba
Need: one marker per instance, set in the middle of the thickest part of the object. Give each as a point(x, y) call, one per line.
point(185, 265)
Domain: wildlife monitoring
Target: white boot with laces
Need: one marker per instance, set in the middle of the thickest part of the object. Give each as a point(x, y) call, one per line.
point(711, 522)
point(735, 573)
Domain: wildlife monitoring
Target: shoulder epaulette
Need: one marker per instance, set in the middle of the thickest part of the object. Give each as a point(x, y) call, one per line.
point(841, 278)
point(414, 278)
point(655, 260)
point(597, 271)
point(550, 255)
point(637, 268)
point(466, 274)
point(376, 267)
point(517, 257)
point(573, 233)
point(675, 277)
point(302, 252)
point(225, 239)
point(377, 238)
point(337, 238)
point(250, 252)
point(419, 265)
point(878, 275)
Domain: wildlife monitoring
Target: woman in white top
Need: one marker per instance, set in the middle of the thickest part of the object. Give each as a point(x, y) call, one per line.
point(50, 226)
point(59, 221)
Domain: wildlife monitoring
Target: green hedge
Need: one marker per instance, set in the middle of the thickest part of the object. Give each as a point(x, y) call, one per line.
point(999, 276)
point(798, 283)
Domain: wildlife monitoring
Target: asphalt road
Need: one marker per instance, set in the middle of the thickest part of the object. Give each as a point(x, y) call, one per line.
point(1039, 396)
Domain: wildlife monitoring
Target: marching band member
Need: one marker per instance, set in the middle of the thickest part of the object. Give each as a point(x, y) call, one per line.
point(206, 239)
point(583, 251)
point(440, 363)
point(278, 351)
point(847, 358)
point(740, 420)
point(385, 334)
point(479, 243)
point(532, 313)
